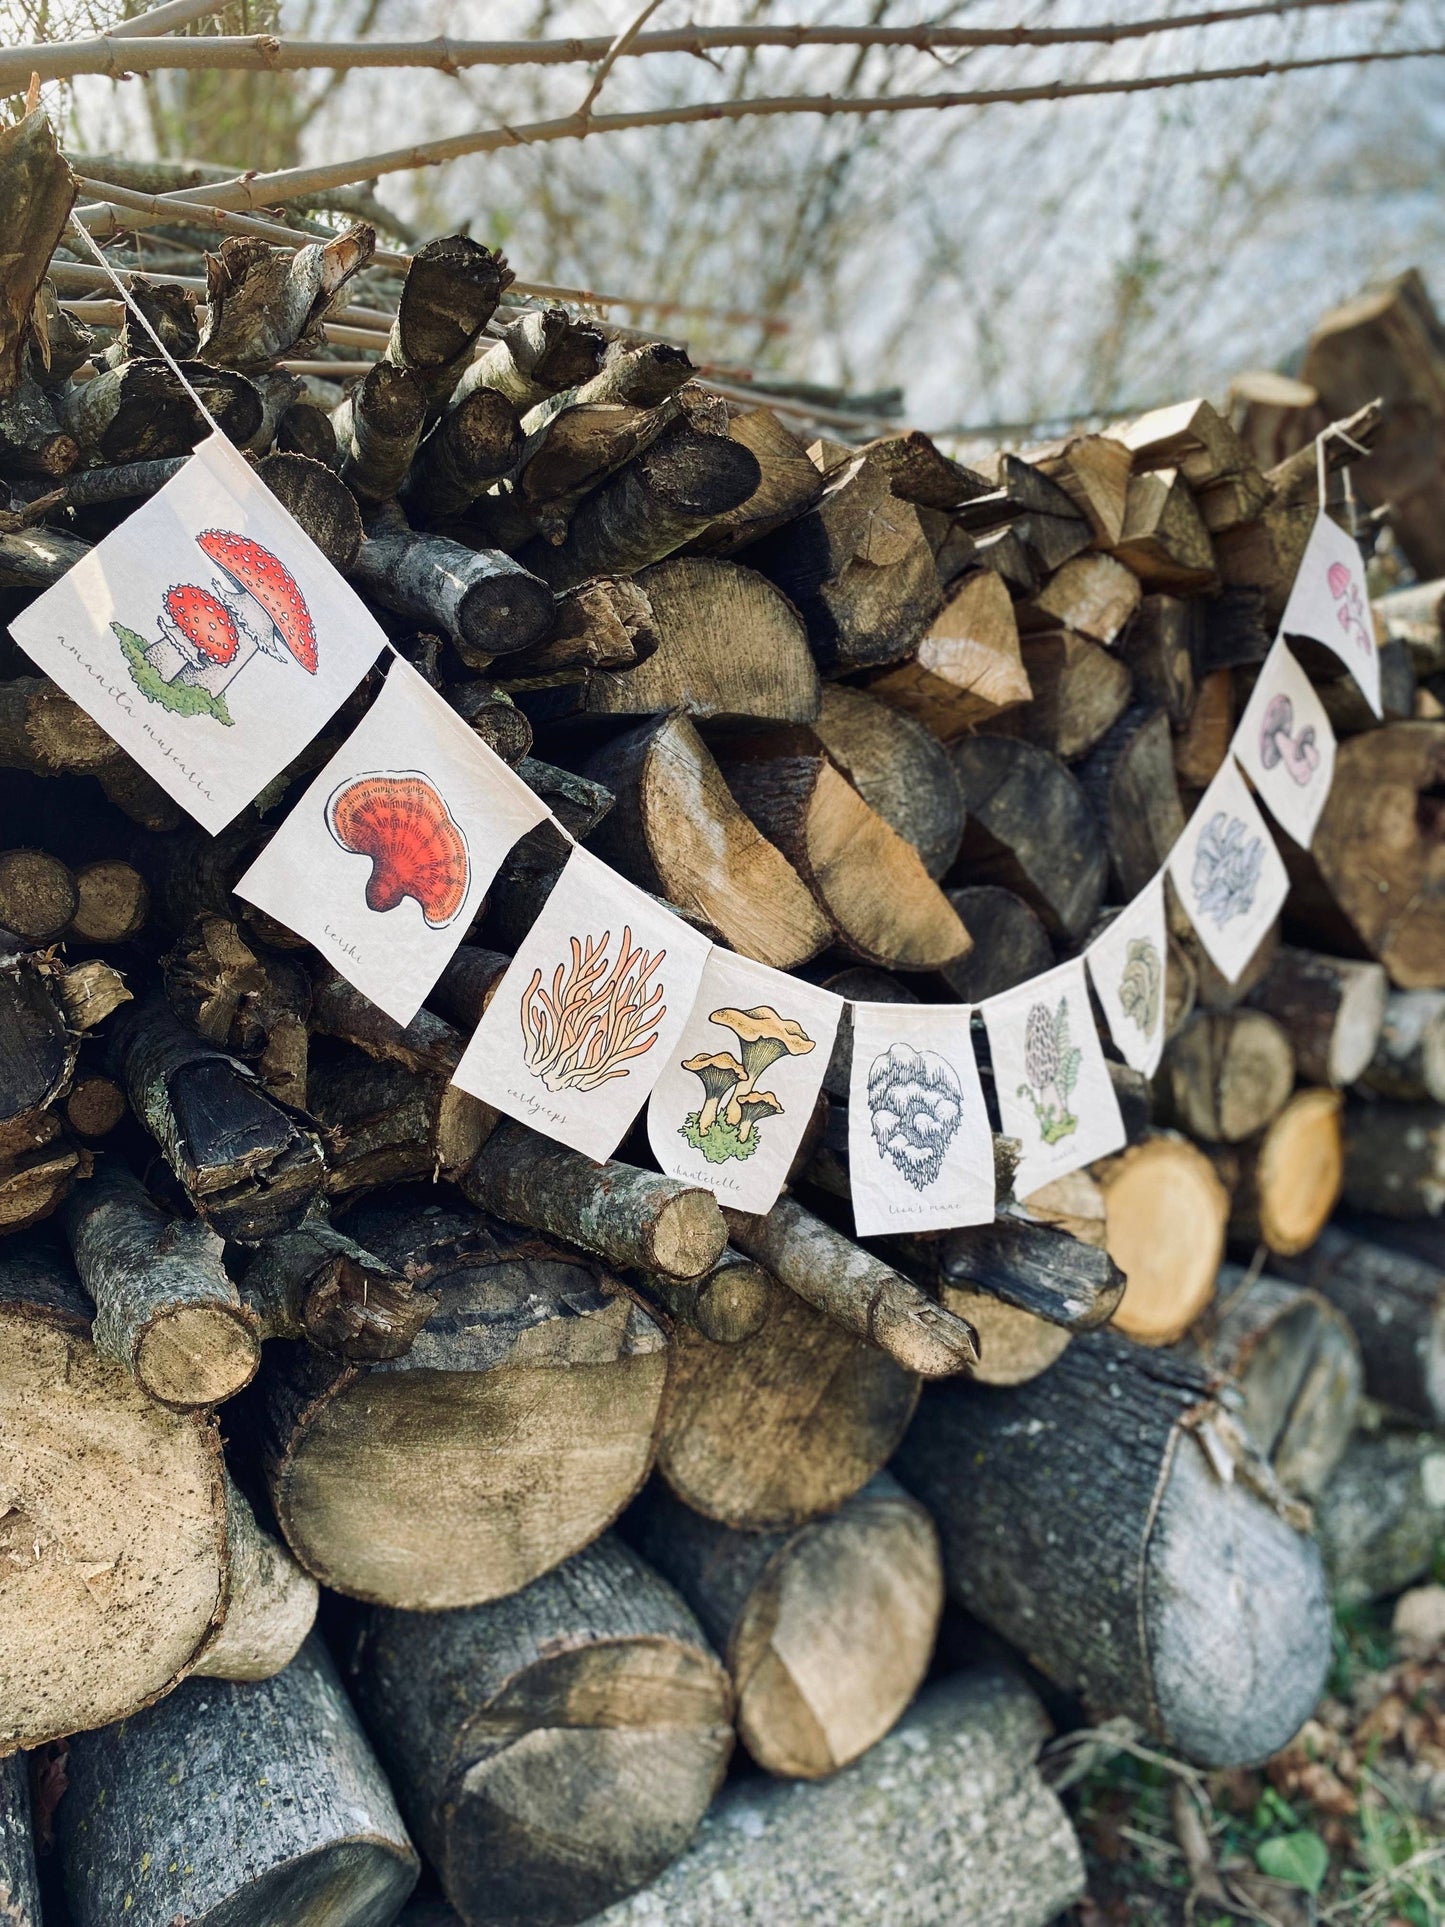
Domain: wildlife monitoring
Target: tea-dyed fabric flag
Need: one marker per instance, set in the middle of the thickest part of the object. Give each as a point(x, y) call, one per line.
point(385, 860)
point(739, 1086)
point(1228, 873)
point(1285, 745)
point(1331, 604)
point(1051, 1077)
point(588, 1011)
point(920, 1149)
point(1127, 963)
point(207, 634)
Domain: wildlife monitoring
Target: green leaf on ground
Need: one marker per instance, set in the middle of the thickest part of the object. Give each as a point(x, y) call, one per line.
point(1299, 1859)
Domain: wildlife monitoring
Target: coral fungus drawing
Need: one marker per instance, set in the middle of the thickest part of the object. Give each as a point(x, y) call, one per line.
point(600, 1014)
point(208, 636)
point(1227, 866)
point(400, 820)
point(915, 1106)
point(1141, 984)
point(1279, 748)
point(725, 1124)
point(1350, 606)
point(1051, 1065)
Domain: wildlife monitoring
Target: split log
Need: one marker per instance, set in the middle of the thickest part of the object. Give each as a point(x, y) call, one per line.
point(378, 425)
point(1147, 1581)
point(947, 1818)
point(1409, 1059)
point(246, 999)
point(783, 1426)
point(1164, 539)
point(1379, 847)
point(139, 412)
point(861, 1294)
point(1331, 1009)
point(1093, 471)
point(1129, 780)
point(574, 453)
point(1284, 1184)
point(38, 195)
point(43, 731)
point(398, 1481)
point(1226, 1076)
point(1166, 1218)
point(305, 428)
point(485, 602)
point(606, 624)
point(677, 832)
point(19, 1887)
point(1394, 1299)
point(1010, 943)
point(235, 1804)
point(37, 1048)
point(112, 902)
point(1382, 1516)
point(542, 352)
point(451, 292)
point(1394, 1159)
point(1080, 690)
point(1159, 647)
point(32, 442)
point(319, 501)
point(790, 485)
point(726, 1304)
point(38, 895)
point(869, 883)
point(318, 1284)
point(1191, 436)
point(1025, 1264)
point(250, 1165)
point(899, 769)
point(968, 667)
point(826, 1631)
point(475, 442)
point(264, 302)
point(1013, 1346)
point(555, 1750)
point(387, 1124)
point(166, 1309)
point(918, 471)
point(1030, 830)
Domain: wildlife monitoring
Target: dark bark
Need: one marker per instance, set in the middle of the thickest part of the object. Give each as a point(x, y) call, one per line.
point(19, 1888)
point(451, 292)
point(265, 303)
point(378, 426)
point(310, 491)
point(1010, 943)
point(485, 602)
point(1130, 784)
point(1031, 1266)
point(316, 1283)
point(37, 197)
point(140, 412)
point(1031, 830)
point(476, 441)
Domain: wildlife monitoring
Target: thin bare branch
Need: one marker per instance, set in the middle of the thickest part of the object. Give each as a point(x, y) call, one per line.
point(623, 43)
point(164, 19)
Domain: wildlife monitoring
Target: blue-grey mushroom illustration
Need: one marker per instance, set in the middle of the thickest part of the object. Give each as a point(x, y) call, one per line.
point(1227, 866)
point(915, 1104)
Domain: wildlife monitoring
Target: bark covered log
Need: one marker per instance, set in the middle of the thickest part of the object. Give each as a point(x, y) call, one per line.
point(1226, 1075)
point(728, 1303)
point(1409, 1059)
point(19, 1887)
point(316, 1283)
point(1332, 1009)
point(1382, 1516)
point(485, 602)
point(1030, 829)
point(451, 291)
point(37, 197)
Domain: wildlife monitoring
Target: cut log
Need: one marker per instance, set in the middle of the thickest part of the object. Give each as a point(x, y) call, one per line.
point(1030, 830)
point(264, 302)
point(1010, 943)
point(270, 1603)
point(387, 1124)
point(484, 601)
point(140, 411)
point(946, 1814)
point(918, 471)
point(861, 1294)
point(552, 1751)
point(1409, 1058)
point(783, 1426)
point(968, 667)
point(1284, 1185)
point(606, 624)
point(1147, 1582)
point(1158, 647)
point(95, 1105)
point(305, 428)
point(1093, 596)
point(1227, 1075)
point(1191, 436)
point(1013, 1346)
point(1080, 691)
point(252, 1001)
point(1167, 1215)
point(38, 895)
point(1394, 1159)
point(541, 352)
point(451, 292)
point(1331, 1009)
point(1130, 783)
point(37, 1049)
point(38, 195)
point(790, 484)
point(43, 731)
point(234, 1806)
point(826, 1631)
point(475, 442)
point(112, 902)
point(1382, 1515)
point(1380, 846)
point(464, 989)
point(1273, 414)
point(1093, 471)
point(398, 1482)
point(899, 769)
point(677, 832)
point(629, 1217)
point(1203, 743)
point(378, 426)
point(310, 492)
point(1394, 1299)
point(19, 1887)
point(318, 1284)
point(1164, 539)
point(726, 1304)
point(166, 1309)
point(1026, 1264)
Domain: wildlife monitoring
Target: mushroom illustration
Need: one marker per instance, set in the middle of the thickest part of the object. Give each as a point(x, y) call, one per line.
point(718, 1073)
point(752, 1106)
point(763, 1037)
point(264, 597)
point(1300, 755)
point(400, 821)
point(199, 641)
point(1351, 610)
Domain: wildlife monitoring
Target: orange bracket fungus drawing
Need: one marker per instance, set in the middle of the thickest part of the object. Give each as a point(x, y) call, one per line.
point(596, 1017)
point(400, 821)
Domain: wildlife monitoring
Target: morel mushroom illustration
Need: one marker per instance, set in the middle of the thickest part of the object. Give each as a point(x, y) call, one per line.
point(717, 1073)
point(1351, 606)
point(596, 1017)
point(753, 1106)
point(400, 820)
point(264, 597)
point(199, 641)
point(1299, 756)
point(915, 1106)
point(730, 1131)
point(1051, 1065)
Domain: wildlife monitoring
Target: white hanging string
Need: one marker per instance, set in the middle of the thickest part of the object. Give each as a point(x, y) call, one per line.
point(1335, 433)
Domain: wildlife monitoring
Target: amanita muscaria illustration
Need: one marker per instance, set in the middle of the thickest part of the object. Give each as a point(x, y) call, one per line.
point(198, 636)
point(264, 596)
point(401, 822)
point(1300, 754)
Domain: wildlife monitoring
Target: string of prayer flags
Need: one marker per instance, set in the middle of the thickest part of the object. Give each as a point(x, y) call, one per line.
point(1330, 603)
point(739, 1086)
point(1228, 873)
point(1285, 744)
point(1127, 964)
point(920, 1149)
point(385, 861)
point(207, 634)
point(1051, 1077)
point(588, 1011)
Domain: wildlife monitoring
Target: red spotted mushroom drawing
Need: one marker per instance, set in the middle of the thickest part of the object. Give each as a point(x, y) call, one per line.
point(253, 609)
point(400, 820)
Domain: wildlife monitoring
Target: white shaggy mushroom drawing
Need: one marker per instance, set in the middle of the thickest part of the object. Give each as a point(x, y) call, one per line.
point(915, 1103)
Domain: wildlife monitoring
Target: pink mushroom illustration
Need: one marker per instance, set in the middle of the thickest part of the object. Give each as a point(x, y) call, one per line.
point(263, 596)
point(199, 641)
point(1300, 754)
point(1351, 610)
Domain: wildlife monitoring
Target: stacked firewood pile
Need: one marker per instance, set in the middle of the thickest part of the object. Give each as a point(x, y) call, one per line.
point(591, 1478)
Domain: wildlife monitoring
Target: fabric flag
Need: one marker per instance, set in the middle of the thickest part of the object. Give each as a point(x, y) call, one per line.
point(1127, 963)
point(1331, 604)
point(588, 1011)
point(384, 862)
point(207, 634)
point(739, 1086)
point(1285, 744)
point(920, 1150)
point(1229, 875)
point(1051, 1078)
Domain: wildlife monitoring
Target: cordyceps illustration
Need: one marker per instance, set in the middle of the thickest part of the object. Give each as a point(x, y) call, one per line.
point(1350, 606)
point(1051, 1064)
point(915, 1106)
point(399, 819)
point(206, 639)
point(599, 1014)
point(725, 1124)
point(1141, 984)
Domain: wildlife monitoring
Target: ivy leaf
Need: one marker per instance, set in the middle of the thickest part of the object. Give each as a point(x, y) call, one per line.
point(1299, 1859)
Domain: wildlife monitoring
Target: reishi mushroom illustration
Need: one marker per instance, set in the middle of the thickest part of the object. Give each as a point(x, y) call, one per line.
point(717, 1073)
point(763, 1037)
point(752, 1106)
point(1300, 754)
point(399, 819)
point(199, 640)
point(264, 597)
